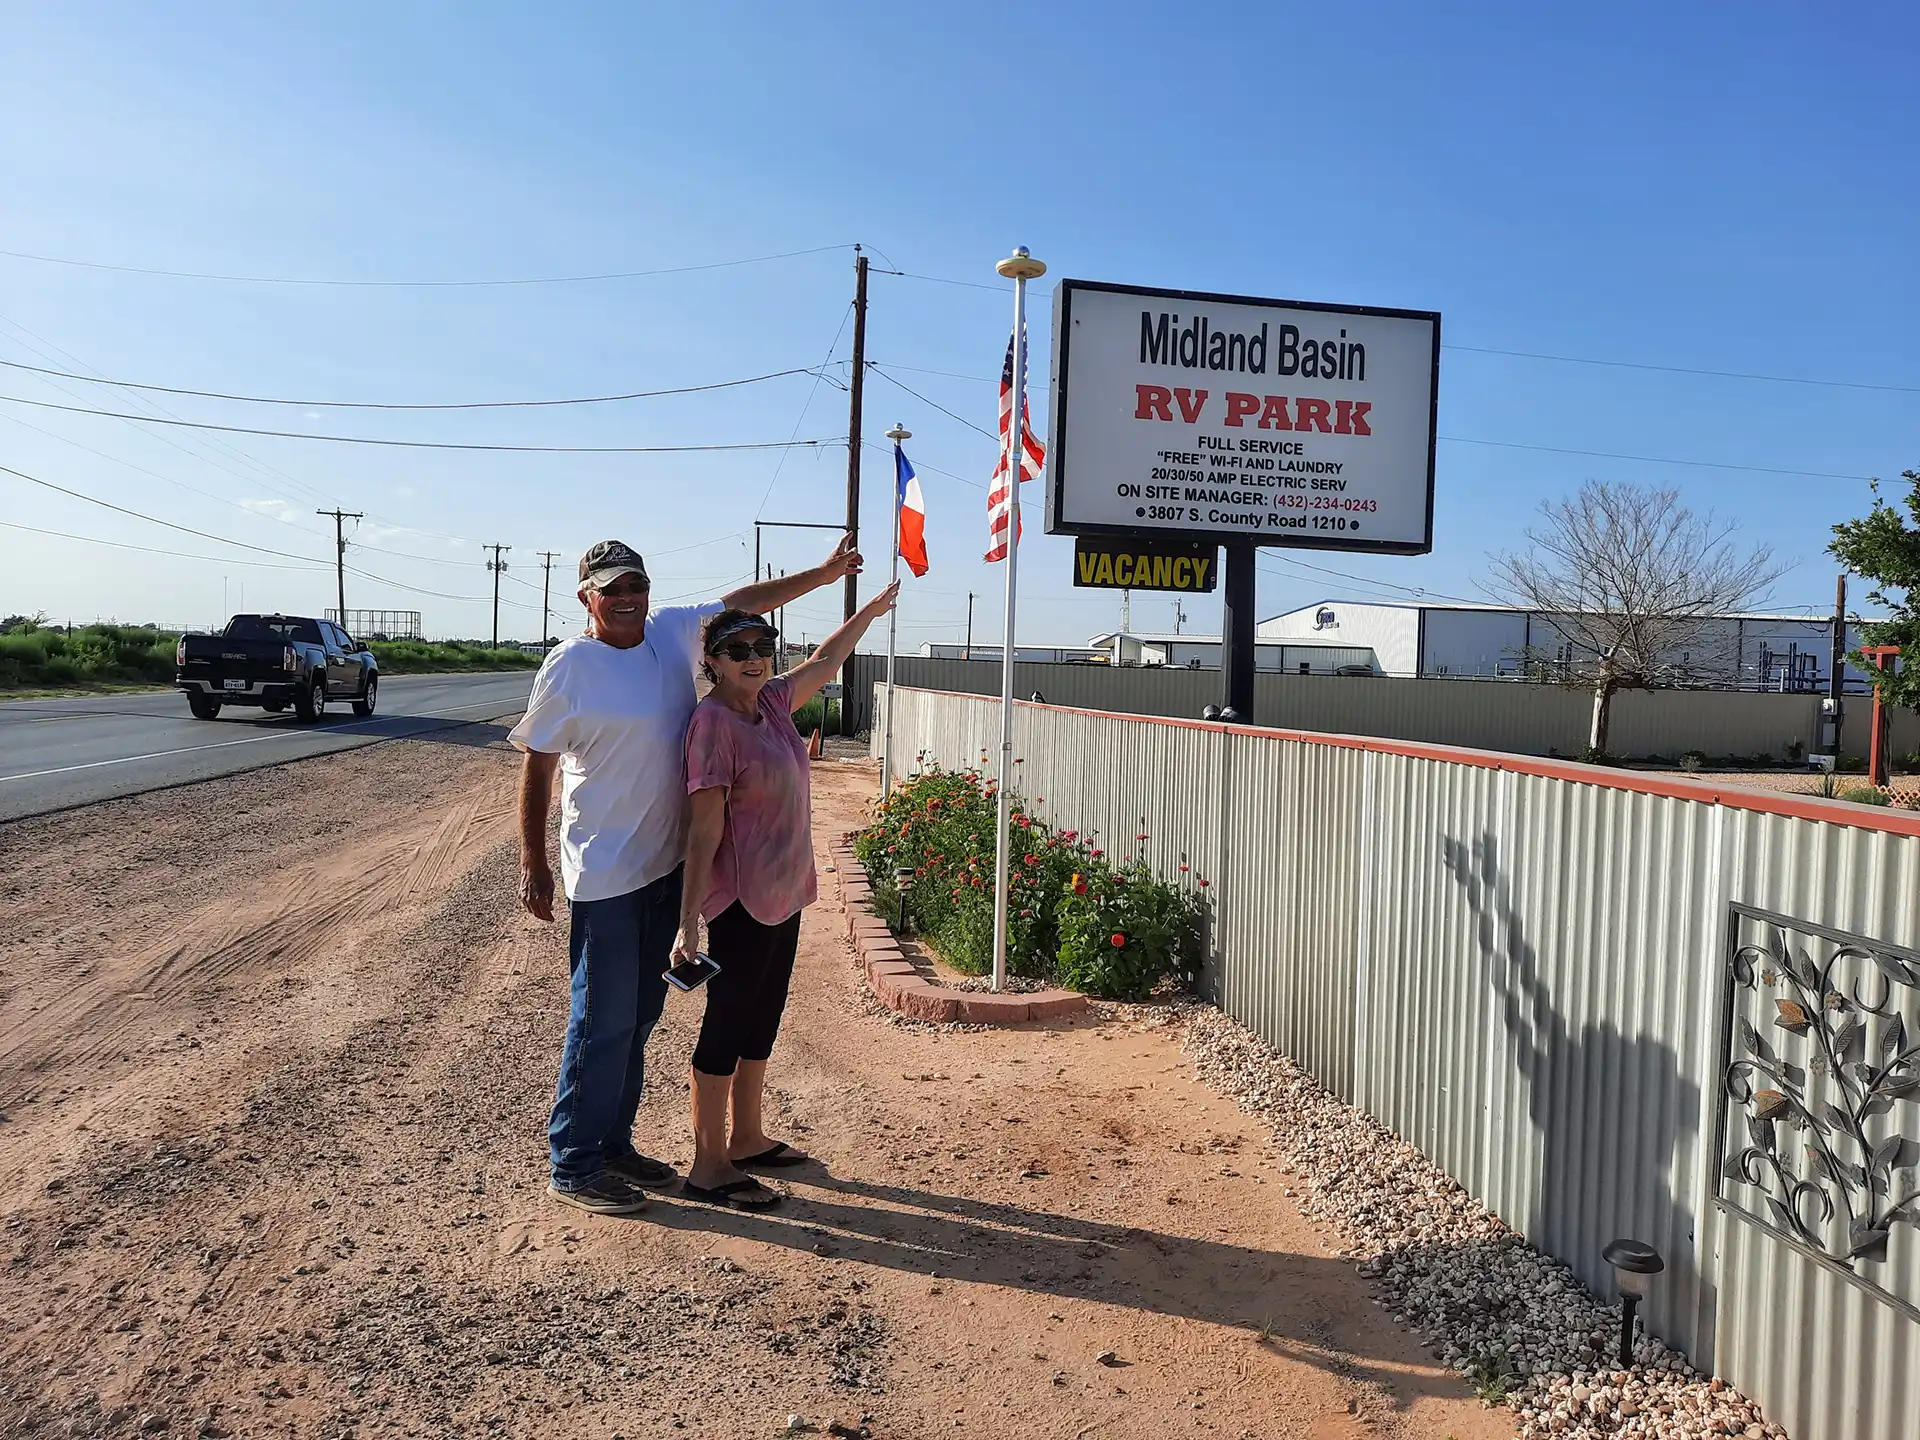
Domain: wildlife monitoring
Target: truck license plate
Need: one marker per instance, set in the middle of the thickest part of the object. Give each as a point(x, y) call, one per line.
point(234, 684)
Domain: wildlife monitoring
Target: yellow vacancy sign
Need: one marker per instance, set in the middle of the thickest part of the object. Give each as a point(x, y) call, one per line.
point(1101, 563)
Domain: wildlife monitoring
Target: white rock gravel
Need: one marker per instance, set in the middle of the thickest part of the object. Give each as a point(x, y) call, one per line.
point(1517, 1324)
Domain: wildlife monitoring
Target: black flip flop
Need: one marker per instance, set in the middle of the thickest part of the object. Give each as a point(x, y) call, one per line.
point(778, 1158)
point(723, 1195)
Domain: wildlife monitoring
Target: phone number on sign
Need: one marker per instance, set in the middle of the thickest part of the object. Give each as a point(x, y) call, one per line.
point(1324, 502)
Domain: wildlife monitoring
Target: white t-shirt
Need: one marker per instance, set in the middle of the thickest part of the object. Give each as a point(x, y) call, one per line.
point(618, 721)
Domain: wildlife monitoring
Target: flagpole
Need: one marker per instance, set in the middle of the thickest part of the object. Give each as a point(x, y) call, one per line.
point(1018, 267)
point(897, 434)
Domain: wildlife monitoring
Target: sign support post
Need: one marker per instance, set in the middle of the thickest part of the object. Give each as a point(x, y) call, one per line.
point(1018, 267)
point(1237, 637)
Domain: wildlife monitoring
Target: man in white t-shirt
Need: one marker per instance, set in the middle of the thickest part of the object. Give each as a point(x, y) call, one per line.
point(609, 712)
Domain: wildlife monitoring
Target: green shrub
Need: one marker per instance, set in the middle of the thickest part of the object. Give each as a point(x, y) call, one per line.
point(1693, 761)
point(1068, 900)
point(439, 657)
point(1866, 795)
point(1796, 752)
point(38, 656)
point(817, 714)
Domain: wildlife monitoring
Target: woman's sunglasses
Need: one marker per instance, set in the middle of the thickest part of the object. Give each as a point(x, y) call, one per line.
point(739, 650)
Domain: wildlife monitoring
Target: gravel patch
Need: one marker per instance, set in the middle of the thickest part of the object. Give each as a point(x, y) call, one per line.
point(1519, 1325)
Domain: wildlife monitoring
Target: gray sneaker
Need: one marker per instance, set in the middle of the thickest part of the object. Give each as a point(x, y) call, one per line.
point(643, 1171)
point(608, 1194)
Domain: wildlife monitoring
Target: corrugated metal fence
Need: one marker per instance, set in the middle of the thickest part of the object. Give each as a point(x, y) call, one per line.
point(1486, 714)
point(1522, 967)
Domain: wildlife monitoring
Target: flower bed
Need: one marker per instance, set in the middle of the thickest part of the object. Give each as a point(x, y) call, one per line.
point(1115, 930)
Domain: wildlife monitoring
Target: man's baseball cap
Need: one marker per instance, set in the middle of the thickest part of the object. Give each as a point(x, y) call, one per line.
point(607, 562)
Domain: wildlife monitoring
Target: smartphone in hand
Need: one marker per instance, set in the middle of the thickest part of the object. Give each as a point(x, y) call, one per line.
point(692, 973)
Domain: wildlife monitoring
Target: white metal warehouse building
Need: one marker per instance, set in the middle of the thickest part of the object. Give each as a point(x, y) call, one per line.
point(1751, 651)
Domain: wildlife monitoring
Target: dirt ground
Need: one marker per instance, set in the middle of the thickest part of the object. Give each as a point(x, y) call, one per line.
point(276, 1053)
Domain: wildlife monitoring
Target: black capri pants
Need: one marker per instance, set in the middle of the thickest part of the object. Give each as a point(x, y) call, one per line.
point(746, 999)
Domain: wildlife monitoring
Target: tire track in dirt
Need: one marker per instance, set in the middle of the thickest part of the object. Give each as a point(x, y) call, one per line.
point(300, 911)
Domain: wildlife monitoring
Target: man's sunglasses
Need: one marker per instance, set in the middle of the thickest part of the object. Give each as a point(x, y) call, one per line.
point(739, 650)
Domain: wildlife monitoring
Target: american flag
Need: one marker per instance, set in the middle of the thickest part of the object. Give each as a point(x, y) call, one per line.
point(1033, 455)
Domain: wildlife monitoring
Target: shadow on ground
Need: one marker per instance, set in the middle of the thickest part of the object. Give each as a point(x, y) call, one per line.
point(1290, 1303)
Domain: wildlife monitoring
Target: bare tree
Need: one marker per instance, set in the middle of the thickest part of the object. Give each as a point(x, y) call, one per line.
point(1629, 580)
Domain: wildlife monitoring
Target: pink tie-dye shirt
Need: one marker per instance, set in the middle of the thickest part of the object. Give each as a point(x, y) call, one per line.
point(765, 860)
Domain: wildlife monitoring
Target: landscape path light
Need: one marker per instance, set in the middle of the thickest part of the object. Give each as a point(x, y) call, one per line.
point(1634, 1263)
point(902, 881)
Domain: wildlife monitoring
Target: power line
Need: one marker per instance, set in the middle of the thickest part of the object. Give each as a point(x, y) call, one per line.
point(425, 444)
point(142, 470)
point(1651, 459)
point(152, 519)
point(394, 405)
point(1687, 370)
point(1413, 590)
point(930, 279)
point(921, 466)
point(951, 415)
point(220, 447)
point(1515, 444)
point(154, 550)
point(415, 284)
point(240, 544)
point(818, 375)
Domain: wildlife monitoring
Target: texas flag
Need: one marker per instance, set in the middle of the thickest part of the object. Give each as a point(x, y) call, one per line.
point(913, 513)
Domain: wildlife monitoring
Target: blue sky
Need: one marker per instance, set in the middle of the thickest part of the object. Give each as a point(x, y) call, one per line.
point(1703, 187)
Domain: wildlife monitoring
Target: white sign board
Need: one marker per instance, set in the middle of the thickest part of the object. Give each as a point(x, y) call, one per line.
point(1222, 417)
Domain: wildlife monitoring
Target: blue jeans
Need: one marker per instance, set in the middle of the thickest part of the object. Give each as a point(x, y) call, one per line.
point(619, 949)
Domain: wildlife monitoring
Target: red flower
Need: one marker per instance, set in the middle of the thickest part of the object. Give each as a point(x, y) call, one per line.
point(1118, 939)
point(1097, 852)
point(1033, 859)
point(1183, 869)
point(1026, 914)
point(1205, 883)
point(1079, 884)
point(976, 882)
point(1143, 837)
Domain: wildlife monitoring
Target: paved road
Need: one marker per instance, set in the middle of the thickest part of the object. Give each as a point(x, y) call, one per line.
point(64, 752)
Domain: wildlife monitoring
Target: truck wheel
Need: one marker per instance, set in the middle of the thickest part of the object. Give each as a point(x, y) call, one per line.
point(204, 707)
point(364, 705)
point(311, 704)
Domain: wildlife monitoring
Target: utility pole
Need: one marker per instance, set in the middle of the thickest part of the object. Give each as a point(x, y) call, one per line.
point(1126, 611)
point(855, 391)
point(546, 588)
point(340, 517)
point(497, 566)
point(1179, 615)
point(966, 650)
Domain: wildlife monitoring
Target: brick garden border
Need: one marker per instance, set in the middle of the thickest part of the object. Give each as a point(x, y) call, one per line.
point(899, 985)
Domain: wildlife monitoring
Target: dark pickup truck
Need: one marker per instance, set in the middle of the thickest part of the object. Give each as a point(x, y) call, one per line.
point(274, 661)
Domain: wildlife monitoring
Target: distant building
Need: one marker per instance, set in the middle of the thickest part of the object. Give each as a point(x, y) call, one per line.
point(1755, 651)
point(1202, 652)
point(1055, 654)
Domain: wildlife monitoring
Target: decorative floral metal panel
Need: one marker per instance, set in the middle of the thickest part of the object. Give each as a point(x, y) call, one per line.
point(1820, 1112)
